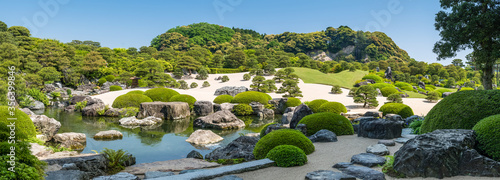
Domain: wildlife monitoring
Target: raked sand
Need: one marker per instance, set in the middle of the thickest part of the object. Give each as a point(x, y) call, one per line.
point(309, 91)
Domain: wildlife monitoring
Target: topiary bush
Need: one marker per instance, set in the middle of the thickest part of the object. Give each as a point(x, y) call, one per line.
point(462, 110)
point(334, 107)
point(205, 84)
point(336, 123)
point(101, 81)
point(315, 104)
point(395, 98)
point(110, 78)
point(194, 85)
point(115, 88)
point(287, 156)
point(374, 77)
point(397, 108)
point(336, 89)
point(251, 96)
point(130, 100)
point(488, 136)
point(24, 126)
point(223, 99)
point(247, 77)
point(282, 137)
point(184, 98)
point(136, 92)
point(404, 86)
point(242, 109)
point(388, 91)
point(292, 102)
point(161, 94)
point(225, 78)
point(263, 130)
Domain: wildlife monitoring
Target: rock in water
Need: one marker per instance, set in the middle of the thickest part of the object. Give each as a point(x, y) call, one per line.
point(94, 107)
point(48, 126)
point(241, 147)
point(300, 112)
point(74, 141)
point(133, 121)
point(164, 110)
point(367, 159)
point(219, 120)
point(378, 149)
point(279, 105)
point(108, 135)
point(37, 105)
point(76, 99)
point(328, 175)
point(230, 90)
point(194, 154)
point(201, 137)
point(324, 136)
point(224, 106)
point(203, 108)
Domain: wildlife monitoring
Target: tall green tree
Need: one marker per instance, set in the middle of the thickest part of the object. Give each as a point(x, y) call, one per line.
point(188, 63)
point(91, 64)
point(470, 24)
point(291, 87)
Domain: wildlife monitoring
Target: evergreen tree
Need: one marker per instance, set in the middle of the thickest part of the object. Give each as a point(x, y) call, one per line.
point(366, 94)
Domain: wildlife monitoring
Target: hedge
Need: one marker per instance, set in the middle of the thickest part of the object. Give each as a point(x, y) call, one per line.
point(287, 156)
point(251, 96)
point(130, 100)
point(282, 137)
point(336, 123)
point(397, 108)
point(334, 107)
point(488, 136)
point(223, 99)
point(161, 94)
point(184, 98)
point(292, 102)
point(315, 104)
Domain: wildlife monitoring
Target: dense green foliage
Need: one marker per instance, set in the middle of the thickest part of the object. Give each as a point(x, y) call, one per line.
point(263, 130)
point(282, 137)
point(116, 159)
point(27, 166)
point(290, 88)
point(225, 79)
point(39, 96)
point(395, 98)
point(388, 91)
point(292, 102)
point(336, 123)
point(205, 84)
point(193, 85)
point(287, 156)
point(316, 104)
point(23, 124)
point(365, 94)
point(381, 85)
point(374, 77)
point(397, 108)
point(336, 89)
point(161, 94)
point(110, 78)
point(130, 100)
point(251, 96)
point(223, 99)
point(462, 110)
point(432, 96)
point(404, 86)
point(242, 109)
point(415, 126)
point(115, 88)
point(136, 92)
point(333, 107)
point(247, 77)
point(184, 98)
point(388, 168)
point(488, 136)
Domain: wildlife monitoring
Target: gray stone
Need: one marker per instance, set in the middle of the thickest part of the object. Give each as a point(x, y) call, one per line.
point(300, 112)
point(164, 110)
point(92, 164)
point(387, 142)
point(361, 172)
point(27, 111)
point(279, 105)
point(323, 136)
point(410, 119)
point(105, 86)
point(47, 126)
point(202, 137)
point(224, 106)
point(190, 171)
point(401, 140)
point(70, 166)
point(286, 118)
point(367, 159)
point(421, 85)
point(241, 147)
point(67, 174)
point(37, 105)
point(108, 135)
point(76, 99)
point(194, 154)
point(228, 177)
point(94, 107)
point(133, 121)
point(379, 128)
point(328, 175)
point(48, 88)
point(86, 87)
point(342, 165)
point(378, 149)
point(446, 94)
point(118, 176)
point(157, 174)
point(219, 120)
point(393, 117)
point(290, 110)
point(70, 108)
point(362, 83)
point(113, 112)
point(170, 165)
point(74, 141)
point(230, 90)
point(203, 108)
point(39, 150)
point(302, 128)
point(273, 127)
point(266, 114)
point(256, 107)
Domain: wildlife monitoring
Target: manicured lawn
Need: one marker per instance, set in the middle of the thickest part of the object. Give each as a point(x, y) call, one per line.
point(345, 79)
point(412, 94)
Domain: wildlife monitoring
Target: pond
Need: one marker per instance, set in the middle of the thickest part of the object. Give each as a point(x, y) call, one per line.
point(148, 144)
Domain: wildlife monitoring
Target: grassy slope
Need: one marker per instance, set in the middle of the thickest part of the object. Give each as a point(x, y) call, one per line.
point(345, 79)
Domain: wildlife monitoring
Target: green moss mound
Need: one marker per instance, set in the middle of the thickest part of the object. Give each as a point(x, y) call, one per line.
point(223, 99)
point(110, 78)
point(404, 86)
point(334, 107)
point(115, 88)
point(292, 102)
point(130, 100)
point(467, 89)
point(184, 98)
point(23, 124)
point(242, 109)
point(336, 123)
point(462, 110)
point(252, 96)
point(287, 156)
point(443, 90)
point(263, 130)
point(374, 77)
point(488, 136)
point(397, 108)
point(388, 91)
point(282, 137)
point(136, 92)
point(161, 94)
point(381, 85)
point(315, 104)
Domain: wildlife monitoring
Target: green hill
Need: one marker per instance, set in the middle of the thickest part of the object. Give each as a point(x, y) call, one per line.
point(345, 79)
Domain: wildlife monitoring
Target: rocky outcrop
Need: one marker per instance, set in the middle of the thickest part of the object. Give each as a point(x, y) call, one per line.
point(300, 112)
point(203, 108)
point(224, 107)
point(241, 147)
point(359, 171)
point(113, 112)
point(379, 128)
point(91, 164)
point(201, 137)
point(367, 159)
point(105, 86)
point(219, 120)
point(328, 175)
point(279, 105)
point(230, 90)
point(375, 114)
point(37, 105)
point(164, 110)
point(444, 153)
point(378, 149)
point(393, 117)
point(108, 135)
point(95, 107)
point(86, 87)
point(71, 140)
point(47, 126)
point(266, 114)
point(323, 136)
point(133, 121)
point(194, 154)
point(76, 99)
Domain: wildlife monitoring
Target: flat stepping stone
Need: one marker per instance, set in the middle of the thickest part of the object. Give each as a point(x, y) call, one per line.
point(378, 149)
point(229, 177)
point(387, 142)
point(328, 175)
point(401, 140)
point(156, 174)
point(367, 159)
point(362, 172)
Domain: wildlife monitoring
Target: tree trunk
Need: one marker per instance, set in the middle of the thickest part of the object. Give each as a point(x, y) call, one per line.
point(487, 75)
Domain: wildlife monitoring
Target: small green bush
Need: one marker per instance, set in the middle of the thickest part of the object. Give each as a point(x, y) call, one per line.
point(432, 96)
point(136, 92)
point(381, 85)
point(130, 100)
point(404, 86)
point(116, 159)
point(251, 96)
point(68, 91)
point(388, 168)
point(488, 136)
point(247, 77)
point(334, 107)
point(292, 102)
point(395, 98)
point(205, 84)
point(223, 99)
point(282, 137)
point(24, 126)
point(287, 156)
point(27, 166)
point(115, 88)
point(415, 126)
point(316, 104)
point(183, 84)
point(467, 89)
point(374, 77)
point(242, 109)
point(129, 111)
point(397, 108)
point(80, 105)
point(184, 98)
point(110, 78)
point(388, 91)
point(336, 89)
point(263, 130)
point(225, 79)
point(194, 85)
point(39, 96)
point(336, 123)
point(101, 81)
point(161, 94)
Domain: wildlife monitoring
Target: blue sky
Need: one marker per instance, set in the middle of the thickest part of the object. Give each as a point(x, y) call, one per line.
point(410, 23)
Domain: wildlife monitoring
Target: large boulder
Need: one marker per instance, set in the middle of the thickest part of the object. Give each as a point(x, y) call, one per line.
point(203, 108)
point(271, 128)
point(201, 137)
point(47, 126)
point(393, 117)
point(108, 135)
point(37, 105)
point(444, 153)
point(368, 159)
point(279, 105)
point(133, 121)
point(219, 120)
point(300, 112)
point(379, 128)
point(164, 110)
point(71, 140)
point(266, 114)
point(194, 154)
point(113, 112)
point(94, 107)
point(241, 147)
point(230, 90)
point(76, 99)
point(224, 106)
point(323, 136)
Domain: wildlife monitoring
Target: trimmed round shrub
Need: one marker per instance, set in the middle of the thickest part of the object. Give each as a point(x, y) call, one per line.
point(205, 84)
point(381, 85)
point(252, 96)
point(247, 77)
point(388, 91)
point(373, 77)
point(315, 104)
point(287, 156)
point(184, 98)
point(24, 126)
point(223, 99)
point(404, 86)
point(397, 108)
point(282, 137)
point(292, 102)
point(263, 130)
point(115, 88)
point(488, 136)
point(110, 78)
point(136, 92)
point(334, 107)
point(462, 110)
point(194, 85)
point(336, 123)
point(242, 109)
point(130, 100)
point(101, 81)
point(225, 78)
point(336, 89)
point(161, 94)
